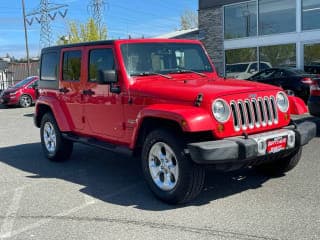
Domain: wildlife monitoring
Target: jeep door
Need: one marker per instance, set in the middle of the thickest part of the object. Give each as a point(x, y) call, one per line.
point(71, 84)
point(103, 109)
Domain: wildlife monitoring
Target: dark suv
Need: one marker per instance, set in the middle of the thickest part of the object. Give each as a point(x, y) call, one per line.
point(296, 82)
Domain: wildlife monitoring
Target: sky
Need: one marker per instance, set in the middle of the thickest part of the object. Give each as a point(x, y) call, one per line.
point(136, 18)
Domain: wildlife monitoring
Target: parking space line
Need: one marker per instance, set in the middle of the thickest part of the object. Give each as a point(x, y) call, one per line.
point(64, 213)
point(6, 227)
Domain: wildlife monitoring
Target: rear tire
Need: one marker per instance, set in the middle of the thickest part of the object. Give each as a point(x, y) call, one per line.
point(282, 165)
point(169, 172)
point(54, 146)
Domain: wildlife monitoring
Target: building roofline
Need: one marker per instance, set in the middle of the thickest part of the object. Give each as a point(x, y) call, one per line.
point(178, 33)
point(209, 4)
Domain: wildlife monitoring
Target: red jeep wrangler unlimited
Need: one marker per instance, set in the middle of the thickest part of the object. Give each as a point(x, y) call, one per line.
point(162, 99)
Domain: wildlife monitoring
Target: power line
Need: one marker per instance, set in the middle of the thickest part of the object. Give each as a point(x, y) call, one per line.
point(44, 15)
point(97, 8)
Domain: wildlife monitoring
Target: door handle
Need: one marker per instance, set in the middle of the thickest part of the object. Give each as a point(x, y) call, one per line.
point(88, 92)
point(64, 90)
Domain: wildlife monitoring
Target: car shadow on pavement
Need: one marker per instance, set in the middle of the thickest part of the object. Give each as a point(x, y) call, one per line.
point(118, 179)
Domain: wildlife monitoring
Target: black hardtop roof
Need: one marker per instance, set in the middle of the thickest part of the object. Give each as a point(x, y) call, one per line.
point(111, 42)
point(94, 43)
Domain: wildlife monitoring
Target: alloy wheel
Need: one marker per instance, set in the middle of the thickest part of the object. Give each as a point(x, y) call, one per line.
point(163, 166)
point(50, 138)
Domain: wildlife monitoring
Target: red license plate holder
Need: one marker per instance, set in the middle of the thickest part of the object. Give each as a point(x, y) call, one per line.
point(277, 144)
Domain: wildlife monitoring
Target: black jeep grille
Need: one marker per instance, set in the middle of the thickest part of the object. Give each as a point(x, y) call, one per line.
point(254, 113)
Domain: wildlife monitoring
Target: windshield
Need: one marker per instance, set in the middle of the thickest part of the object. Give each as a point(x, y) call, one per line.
point(23, 82)
point(241, 67)
point(164, 58)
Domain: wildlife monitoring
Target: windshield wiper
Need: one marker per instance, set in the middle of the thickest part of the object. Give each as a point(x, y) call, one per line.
point(152, 73)
point(184, 70)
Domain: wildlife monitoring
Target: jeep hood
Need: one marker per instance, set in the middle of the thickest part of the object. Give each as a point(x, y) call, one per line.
point(187, 90)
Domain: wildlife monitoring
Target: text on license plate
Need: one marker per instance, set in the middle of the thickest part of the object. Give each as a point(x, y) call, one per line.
point(276, 144)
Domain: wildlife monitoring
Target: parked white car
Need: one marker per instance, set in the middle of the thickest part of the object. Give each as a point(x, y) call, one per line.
point(245, 70)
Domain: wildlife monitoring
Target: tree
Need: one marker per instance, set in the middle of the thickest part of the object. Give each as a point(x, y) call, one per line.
point(84, 32)
point(189, 19)
point(241, 55)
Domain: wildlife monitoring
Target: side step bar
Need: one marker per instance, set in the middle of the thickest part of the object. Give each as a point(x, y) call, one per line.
point(97, 143)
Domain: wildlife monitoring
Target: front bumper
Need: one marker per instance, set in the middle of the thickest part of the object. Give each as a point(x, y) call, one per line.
point(241, 149)
point(9, 100)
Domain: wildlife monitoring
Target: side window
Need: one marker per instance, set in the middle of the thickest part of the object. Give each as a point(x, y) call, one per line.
point(49, 66)
point(253, 67)
point(100, 60)
point(266, 74)
point(71, 66)
point(279, 74)
point(33, 85)
point(263, 66)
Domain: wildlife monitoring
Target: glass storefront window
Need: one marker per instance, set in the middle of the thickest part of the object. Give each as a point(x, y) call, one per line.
point(310, 14)
point(241, 63)
point(279, 55)
point(312, 58)
point(277, 16)
point(240, 20)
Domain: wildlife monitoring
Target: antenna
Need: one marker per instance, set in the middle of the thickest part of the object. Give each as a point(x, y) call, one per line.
point(44, 15)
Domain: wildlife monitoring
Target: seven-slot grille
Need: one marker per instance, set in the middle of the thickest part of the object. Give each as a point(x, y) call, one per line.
point(254, 113)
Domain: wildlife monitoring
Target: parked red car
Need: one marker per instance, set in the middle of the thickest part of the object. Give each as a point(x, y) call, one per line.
point(23, 93)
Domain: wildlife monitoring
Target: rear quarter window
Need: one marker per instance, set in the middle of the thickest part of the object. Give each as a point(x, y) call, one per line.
point(49, 66)
point(49, 70)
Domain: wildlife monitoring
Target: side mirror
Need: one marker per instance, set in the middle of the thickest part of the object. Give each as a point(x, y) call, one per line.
point(107, 77)
point(253, 70)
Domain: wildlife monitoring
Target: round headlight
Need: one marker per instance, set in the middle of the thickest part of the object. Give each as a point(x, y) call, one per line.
point(221, 110)
point(282, 102)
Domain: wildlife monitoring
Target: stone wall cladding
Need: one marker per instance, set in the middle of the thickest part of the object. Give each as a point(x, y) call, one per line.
point(211, 30)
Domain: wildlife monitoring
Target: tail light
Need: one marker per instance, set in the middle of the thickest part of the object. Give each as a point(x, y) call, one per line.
point(315, 88)
point(307, 81)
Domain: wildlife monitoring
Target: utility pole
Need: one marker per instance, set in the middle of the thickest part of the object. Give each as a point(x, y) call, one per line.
point(44, 15)
point(26, 36)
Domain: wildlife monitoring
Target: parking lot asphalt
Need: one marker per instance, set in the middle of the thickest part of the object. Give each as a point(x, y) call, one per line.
point(102, 195)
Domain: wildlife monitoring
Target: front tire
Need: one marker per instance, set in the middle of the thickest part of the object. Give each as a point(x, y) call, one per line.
point(169, 172)
point(282, 165)
point(25, 101)
point(54, 146)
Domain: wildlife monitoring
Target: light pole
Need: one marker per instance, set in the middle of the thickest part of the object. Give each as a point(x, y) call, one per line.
point(26, 35)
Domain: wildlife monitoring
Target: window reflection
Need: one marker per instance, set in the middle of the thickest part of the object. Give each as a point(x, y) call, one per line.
point(241, 63)
point(279, 55)
point(312, 58)
point(71, 66)
point(310, 14)
point(277, 16)
point(240, 20)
